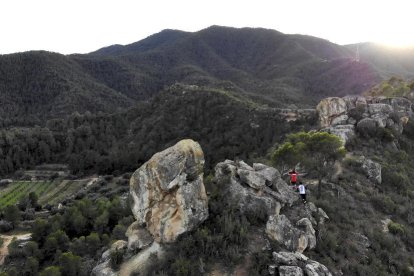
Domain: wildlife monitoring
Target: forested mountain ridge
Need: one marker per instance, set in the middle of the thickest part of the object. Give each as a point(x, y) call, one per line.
point(264, 65)
point(35, 86)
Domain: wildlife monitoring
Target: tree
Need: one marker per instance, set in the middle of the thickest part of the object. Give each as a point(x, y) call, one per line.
point(317, 151)
point(31, 266)
point(70, 264)
point(12, 214)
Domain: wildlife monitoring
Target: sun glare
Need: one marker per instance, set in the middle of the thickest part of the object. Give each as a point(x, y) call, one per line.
point(397, 41)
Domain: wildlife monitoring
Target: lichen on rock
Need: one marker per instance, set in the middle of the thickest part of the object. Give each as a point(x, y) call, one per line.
point(168, 193)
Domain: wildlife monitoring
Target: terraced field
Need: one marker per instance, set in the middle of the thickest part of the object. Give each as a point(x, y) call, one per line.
point(51, 192)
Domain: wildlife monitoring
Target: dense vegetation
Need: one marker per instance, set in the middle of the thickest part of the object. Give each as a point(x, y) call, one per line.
point(225, 126)
point(393, 87)
point(354, 242)
point(264, 65)
point(71, 240)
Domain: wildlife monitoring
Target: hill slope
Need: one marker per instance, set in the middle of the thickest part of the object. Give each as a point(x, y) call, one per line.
point(264, 65)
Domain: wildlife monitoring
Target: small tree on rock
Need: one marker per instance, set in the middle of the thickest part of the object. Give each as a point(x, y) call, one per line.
point(317, 151)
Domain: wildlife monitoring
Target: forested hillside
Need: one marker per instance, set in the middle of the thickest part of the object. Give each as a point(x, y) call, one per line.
point(224, 125)
point(264, 65)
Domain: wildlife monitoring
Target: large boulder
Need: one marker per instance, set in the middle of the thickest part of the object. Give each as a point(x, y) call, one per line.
point(296, 259)
point(344, 132)
point(280, 229)
point(329, 109)
point(168, 193)
point(138, 237)
point(253, 189)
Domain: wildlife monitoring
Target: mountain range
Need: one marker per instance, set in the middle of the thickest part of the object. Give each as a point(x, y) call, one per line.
point(263, 65)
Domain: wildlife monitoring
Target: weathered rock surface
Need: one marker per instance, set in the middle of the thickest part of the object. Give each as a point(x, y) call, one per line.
point(104, 267)
point(339, 116)
point(330, 109)
point(280, 229)
point(345, 132)
point(290, 271)
point(138, 237)
point(310, 267)
point(254, 188)
point(168, 191)
point(140, 263)
point(372, 170)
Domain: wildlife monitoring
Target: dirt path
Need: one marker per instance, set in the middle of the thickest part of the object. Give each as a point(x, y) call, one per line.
point(92, 181)
point(7, 240)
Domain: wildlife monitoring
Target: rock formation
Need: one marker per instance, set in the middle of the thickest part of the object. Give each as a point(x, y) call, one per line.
point(168, 192)
point(254, 188)
point(297, 239)
point(340, 116)
point(289, 263)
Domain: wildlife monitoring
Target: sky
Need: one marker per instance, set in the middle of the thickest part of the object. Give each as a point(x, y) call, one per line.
point(76, 26)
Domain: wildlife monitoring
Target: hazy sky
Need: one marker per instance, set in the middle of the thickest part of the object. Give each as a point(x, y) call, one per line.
point(83, 26)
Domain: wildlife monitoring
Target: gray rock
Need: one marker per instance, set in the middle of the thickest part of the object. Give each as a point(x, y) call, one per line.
point(289, 258)
point(372, 170)
point(259, 188)
point(290, 271)
point(138, 237)
point(140, 263)
point(330, 108)
point(306, 226)
point(345, 132)
point(272, 269)
point(401, 104)
point(367, 125)
point(299, 260)
point(351, 121)
point(340, 120)
point(379, 108)
point(104, 269)
point(104, 265)
point(316, 269)
point(252, 178)
point(322, 216)
point(381, 119)
point(168, 191)
point(280, 229)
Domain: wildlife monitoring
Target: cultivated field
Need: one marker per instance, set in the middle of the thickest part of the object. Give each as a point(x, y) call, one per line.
point(51, 192)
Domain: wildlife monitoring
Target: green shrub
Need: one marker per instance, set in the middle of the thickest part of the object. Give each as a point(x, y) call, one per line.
point(117, 257)
point(383, 203)
point(396, 228)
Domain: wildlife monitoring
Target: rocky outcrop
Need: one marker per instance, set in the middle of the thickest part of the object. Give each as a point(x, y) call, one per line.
point(280, 229)
point(340, 116)
point(290, 271)
point(138, 237)
point(288, 262)
point(254, 188)
point(104, 267)
point(330, 109)
point(372, 170)
point(168, 192)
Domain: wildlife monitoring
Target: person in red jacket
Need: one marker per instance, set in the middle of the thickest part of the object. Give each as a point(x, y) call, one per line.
point(293, 176)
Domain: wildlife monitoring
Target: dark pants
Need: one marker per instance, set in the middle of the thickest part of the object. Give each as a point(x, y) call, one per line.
point(303, 196)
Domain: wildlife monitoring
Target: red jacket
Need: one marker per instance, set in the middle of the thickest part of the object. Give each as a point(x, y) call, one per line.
point(293, 176)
